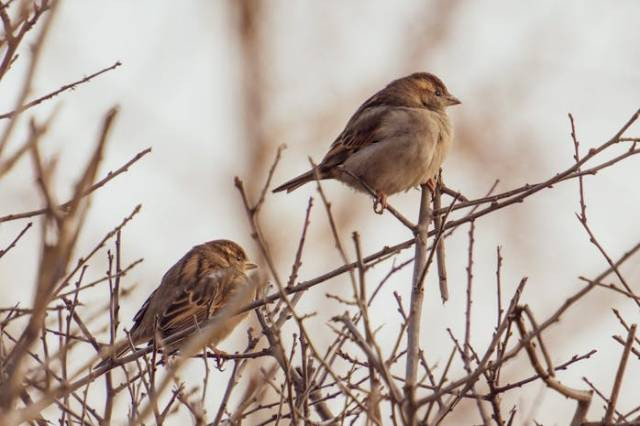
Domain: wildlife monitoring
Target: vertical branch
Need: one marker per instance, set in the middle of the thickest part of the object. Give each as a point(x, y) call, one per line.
point(415, 310)
point(114, 308)
point(440, 257)
point(499, 283)
point(615, 391)
point(373, 413)
point(250, 32)
point(467, 328)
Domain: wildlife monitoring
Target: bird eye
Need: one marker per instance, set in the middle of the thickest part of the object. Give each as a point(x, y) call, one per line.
point(438, 92)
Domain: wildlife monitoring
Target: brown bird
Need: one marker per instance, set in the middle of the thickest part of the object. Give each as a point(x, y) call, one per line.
point(395, 141)
point(208, 278)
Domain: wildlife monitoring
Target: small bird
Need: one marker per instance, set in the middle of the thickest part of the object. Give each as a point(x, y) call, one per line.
point(208, 278)
point(396, 140)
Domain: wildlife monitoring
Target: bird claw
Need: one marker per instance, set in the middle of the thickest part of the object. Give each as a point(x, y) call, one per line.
point(219, 356)
point(431, 184)
point(218, 353)
point(380, 203)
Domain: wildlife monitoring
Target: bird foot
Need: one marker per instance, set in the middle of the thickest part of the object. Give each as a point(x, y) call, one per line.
point(380, 202)
point(431, 184)
point(218, 353)
point(219, 356)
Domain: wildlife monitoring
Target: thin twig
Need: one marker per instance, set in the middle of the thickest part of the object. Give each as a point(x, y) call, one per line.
point(86, 192)
point(70, 86)
point(16, 239)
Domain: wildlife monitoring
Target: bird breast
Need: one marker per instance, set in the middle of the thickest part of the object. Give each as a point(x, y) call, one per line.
point(410, 146)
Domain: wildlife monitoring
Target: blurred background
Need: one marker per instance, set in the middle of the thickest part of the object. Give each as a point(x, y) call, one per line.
point(215, 87)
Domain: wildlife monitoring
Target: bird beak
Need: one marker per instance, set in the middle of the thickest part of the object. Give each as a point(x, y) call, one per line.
point(249, 266)
point(452, 100)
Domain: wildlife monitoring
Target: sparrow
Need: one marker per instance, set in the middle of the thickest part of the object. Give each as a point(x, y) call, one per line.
point(396, 140)
point(208, 278)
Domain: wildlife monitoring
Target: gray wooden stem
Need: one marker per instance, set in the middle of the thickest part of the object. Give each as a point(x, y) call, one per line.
point(417, 295)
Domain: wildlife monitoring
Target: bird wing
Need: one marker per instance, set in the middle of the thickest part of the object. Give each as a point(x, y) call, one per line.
point(360, 131)
point(199, 301)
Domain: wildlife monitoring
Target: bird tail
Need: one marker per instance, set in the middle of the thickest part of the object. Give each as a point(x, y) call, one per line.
point(296, 182)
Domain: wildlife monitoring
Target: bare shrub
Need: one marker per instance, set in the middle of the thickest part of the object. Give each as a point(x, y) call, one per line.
point(290, 371)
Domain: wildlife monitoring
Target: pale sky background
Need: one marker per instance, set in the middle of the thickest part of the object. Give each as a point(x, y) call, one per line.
point(518, 68)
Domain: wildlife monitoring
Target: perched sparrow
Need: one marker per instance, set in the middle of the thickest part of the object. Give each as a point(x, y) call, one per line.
point(209, 277)
point(396, 140)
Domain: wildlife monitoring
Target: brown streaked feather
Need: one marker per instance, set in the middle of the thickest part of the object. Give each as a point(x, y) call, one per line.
point(205, 281)
point(190, 290)
point(137, 319)
point(359, 133)
point(362, 127)
point(352, 138)
point(372, 123)
point(200, 301)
